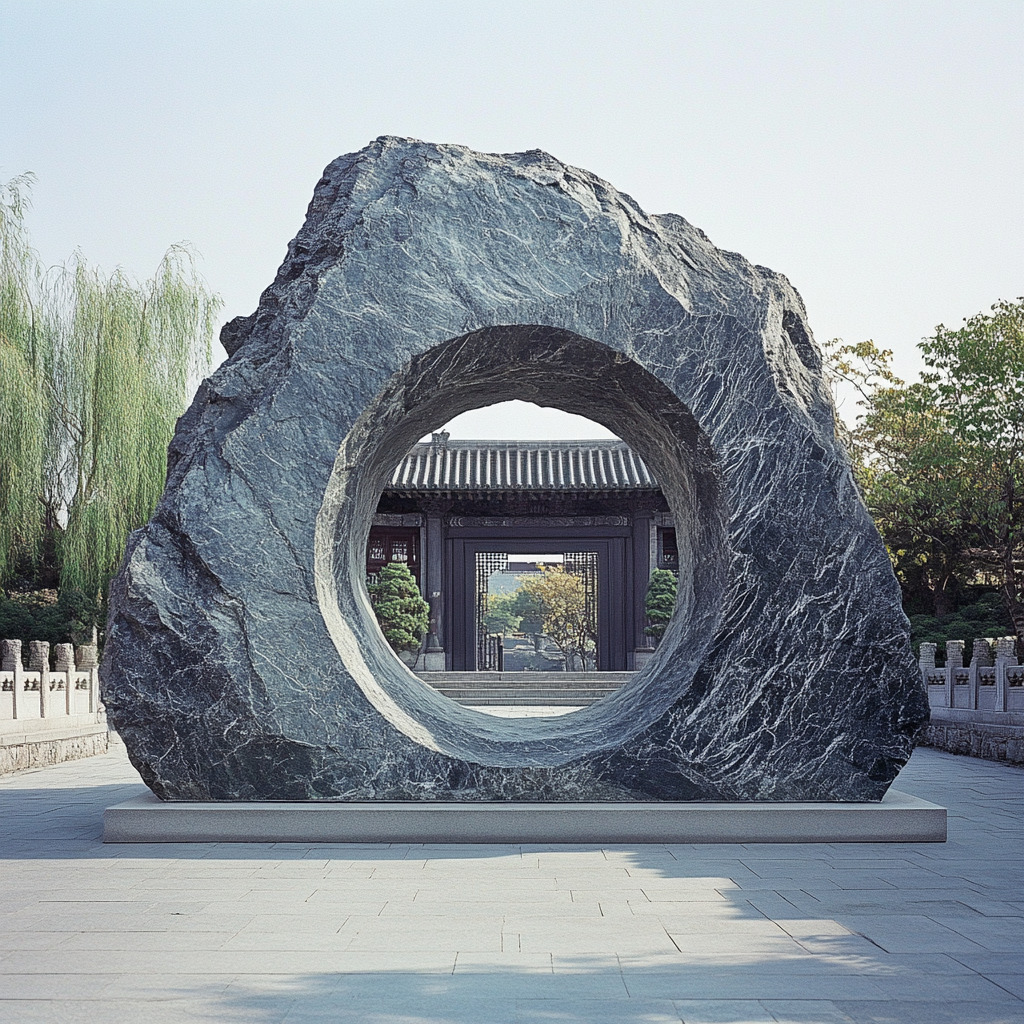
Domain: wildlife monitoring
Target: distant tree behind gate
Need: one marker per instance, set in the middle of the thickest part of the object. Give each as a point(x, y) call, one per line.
point(568, 621)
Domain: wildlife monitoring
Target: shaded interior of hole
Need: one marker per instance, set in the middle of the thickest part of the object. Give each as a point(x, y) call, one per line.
point(554, 368)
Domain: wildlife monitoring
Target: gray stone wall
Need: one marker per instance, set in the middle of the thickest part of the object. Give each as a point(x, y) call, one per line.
point(990, 735)
point(37, 753)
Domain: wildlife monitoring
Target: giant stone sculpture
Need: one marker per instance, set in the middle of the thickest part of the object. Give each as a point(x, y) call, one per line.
point(242, 660)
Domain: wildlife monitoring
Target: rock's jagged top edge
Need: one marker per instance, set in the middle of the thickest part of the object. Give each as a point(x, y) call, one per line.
point(524, 157)
point(547, 170)
point(521, 158)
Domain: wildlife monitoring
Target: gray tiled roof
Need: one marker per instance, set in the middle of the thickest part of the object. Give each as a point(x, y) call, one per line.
point(521, 466)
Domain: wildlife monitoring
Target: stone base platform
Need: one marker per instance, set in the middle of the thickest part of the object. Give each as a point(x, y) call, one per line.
point(899, 817)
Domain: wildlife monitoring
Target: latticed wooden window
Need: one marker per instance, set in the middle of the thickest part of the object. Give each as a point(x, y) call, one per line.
point(393, 544)
point(668, 550)
point(487, 562)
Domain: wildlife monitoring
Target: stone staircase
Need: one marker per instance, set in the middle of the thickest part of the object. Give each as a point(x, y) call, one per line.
point(551, 689)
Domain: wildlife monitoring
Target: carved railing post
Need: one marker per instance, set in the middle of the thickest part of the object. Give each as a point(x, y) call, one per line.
point(65, 664)
point(981, 657)
point(926, 661)
point(954, 661)
point(88, 661)
point(954, 658)
point(39, 661)
point(954, 653)
point(1006, 650)
point(12, 663)
point(1006, 655)
point(981, 653)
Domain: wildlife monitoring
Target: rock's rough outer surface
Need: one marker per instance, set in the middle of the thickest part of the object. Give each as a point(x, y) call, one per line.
point(242, 661)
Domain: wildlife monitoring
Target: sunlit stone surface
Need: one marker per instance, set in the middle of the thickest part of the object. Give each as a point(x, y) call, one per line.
point(242, 660)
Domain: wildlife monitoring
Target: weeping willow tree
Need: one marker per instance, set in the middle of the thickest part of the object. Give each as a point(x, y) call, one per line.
point(94, 371)
point(25, 412)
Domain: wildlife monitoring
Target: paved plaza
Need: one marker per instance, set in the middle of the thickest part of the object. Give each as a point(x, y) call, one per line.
point(445, 934)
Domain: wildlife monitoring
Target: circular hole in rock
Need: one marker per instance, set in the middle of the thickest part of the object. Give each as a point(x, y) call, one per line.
point(529, 531)
point(549, 367)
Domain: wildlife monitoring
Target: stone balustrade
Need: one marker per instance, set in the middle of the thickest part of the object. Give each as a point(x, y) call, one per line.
point(977, 708)
point(72, 688)
point(49, 714)
point(992, 681)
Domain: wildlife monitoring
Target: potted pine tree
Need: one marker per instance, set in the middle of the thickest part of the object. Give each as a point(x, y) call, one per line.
point(401, 612)
point(661, 602)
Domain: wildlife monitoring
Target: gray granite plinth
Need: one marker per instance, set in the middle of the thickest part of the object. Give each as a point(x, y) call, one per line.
point(242, 659)
point(897, 818)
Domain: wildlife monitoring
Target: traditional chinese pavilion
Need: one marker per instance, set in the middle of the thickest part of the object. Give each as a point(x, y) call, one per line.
point(458, 511)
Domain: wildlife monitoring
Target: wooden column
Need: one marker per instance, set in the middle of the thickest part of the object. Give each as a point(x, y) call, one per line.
point(640, 642)
point(434, 659)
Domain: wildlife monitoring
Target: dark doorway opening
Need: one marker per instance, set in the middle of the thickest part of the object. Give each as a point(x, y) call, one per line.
point(612, 571)
point(537, 612)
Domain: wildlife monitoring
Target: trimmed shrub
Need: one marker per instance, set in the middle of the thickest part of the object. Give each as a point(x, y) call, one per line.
point(661, 601)
point(402, 613)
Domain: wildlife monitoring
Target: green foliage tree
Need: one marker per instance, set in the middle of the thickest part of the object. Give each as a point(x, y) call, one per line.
point(568, 620)
point(402, 613)
point(531, 611)
point(976, 379)
point(24, 411)
point(520, 611)
point(57, 618)
point(661, 601)
point(982, 615)
point(941, 462)
point(94, 371)
point(866, 370)
point(501, 614)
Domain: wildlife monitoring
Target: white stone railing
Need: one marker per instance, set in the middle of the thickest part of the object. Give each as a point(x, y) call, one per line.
point(993, 681)
point(41, 694)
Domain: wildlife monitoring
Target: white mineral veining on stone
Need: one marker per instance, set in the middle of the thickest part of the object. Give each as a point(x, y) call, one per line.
point(429, 280)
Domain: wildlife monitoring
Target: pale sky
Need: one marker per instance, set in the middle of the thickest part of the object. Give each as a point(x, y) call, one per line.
point(870, 151)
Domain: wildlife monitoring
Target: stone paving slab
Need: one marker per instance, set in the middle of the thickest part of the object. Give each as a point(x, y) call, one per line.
point(286, 933)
